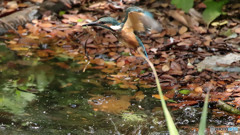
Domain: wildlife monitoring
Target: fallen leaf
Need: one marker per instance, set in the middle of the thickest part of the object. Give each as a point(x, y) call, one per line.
point(198, 89)
point(182, 30)
point(237, 30)
point(158, 97)
point(110, 104)
point(139, 96)
point(165, 68)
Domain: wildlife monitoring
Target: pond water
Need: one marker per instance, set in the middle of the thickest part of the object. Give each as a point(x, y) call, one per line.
point(39, 97)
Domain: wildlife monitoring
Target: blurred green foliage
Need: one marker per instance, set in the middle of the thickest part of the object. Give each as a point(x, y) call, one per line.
point(213, 10)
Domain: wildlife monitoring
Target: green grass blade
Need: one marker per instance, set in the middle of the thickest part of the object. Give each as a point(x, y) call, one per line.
point(170, 124)
point(203, 121)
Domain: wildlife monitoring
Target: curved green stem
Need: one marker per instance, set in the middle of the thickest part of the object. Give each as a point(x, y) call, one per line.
point(170, 124)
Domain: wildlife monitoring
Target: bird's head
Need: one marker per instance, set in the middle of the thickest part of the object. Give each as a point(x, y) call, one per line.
point(106, 22)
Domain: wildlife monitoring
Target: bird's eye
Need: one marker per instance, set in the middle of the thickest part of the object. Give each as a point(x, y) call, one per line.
point(102, 22)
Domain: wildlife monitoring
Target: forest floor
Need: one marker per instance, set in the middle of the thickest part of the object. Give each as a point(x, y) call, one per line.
point(190, 58)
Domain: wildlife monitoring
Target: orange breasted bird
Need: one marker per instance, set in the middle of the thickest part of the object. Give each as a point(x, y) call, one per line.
point(136, 20)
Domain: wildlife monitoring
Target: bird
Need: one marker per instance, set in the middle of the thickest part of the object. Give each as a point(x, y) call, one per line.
point(136, 20)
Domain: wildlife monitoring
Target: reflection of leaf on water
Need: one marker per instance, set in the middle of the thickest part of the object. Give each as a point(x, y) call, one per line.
point(43, 80)
point(12, 100)
point(5, 54)
point(15, 94)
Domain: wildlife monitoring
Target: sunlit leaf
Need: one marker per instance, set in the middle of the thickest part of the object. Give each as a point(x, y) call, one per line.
point(62, 13)
point(158, 97)
point(79, 20)
point(185, 92)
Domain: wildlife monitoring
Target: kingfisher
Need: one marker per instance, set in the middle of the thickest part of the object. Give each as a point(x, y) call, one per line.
point(136, 20)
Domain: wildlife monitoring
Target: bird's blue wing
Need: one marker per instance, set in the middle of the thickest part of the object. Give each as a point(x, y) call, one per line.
point(140, 20)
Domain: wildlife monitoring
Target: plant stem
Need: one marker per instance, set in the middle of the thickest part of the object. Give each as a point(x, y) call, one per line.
point(170, 124)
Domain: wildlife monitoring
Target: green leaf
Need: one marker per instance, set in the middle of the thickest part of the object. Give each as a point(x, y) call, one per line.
point(142, 71)
point(185, 5)
point(185, 92)
point(23, 88)
point(61, 13)
point(79, 20)
point(213, 10)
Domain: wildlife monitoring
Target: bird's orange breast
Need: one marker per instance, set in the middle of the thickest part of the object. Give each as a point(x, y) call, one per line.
point(129, 38)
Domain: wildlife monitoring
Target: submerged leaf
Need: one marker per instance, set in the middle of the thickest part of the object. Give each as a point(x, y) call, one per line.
point(110, 104)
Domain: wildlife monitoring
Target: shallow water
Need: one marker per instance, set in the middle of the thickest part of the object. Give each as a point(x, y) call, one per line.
point(39, 97)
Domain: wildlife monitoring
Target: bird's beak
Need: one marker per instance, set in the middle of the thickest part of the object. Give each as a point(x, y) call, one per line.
point(93, 24)
point(98, 24)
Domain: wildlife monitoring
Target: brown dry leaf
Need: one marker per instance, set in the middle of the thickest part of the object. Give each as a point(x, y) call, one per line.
point(238, 121)
point(121, 63)
point(63, 65)
point(183, 18)
point(70, 18)
point(42, 53)
point(154, 50)
point(237, 30)
point(236, 102)
point(58, 33)
point(171, 31)
point(37, 1)
point(158, 97)
point(182, 30)
point(110, 104)
point(120, 75)
point(99, 5)
point(207, 43)
point(127, 86)
point(33, 29)
point(196, 16)
point(134, 87)
point(235, 86)
point(198, 89)
point(110, 64)
point(175, 69)
point(45, 25)
point(147, 86)
point(98, 61)
point(182, 104)
point(185, 43)
point(192, 86)
point(107, 70)
point(28, 41)
point(12, 5)
point(139, 96)
point(165, 68)
point(215, 96)
point(170, 94)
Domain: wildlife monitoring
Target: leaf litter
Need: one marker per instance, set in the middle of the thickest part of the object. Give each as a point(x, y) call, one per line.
point(185, 46)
